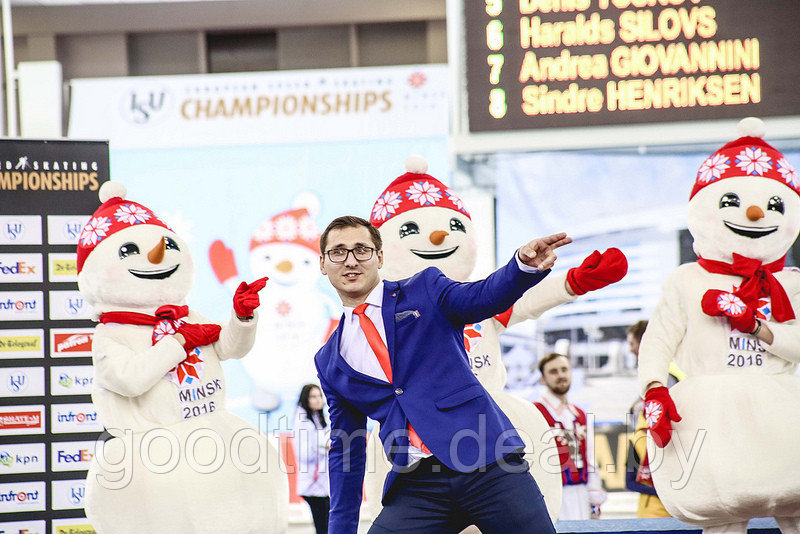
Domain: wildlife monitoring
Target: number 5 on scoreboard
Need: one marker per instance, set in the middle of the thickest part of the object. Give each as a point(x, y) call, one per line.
point(494, 7)
point(495, 61)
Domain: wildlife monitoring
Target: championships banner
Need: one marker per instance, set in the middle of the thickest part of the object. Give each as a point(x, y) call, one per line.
point(262, 108)
point(48, 190)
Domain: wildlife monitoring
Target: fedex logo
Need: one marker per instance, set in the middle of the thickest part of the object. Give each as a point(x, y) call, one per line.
point(21, 268)
point(72, 455)
point(23, 527)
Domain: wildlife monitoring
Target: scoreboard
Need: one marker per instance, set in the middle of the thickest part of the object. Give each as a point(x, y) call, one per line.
point(565, 63)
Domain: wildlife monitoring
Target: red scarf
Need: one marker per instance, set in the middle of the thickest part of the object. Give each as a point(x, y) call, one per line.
point(166, 322)
point(758, 282)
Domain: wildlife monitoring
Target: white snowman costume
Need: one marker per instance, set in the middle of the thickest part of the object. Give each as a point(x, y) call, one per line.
point(438, 231)
point(177, 461)
point(740, 424)
point(296, 317)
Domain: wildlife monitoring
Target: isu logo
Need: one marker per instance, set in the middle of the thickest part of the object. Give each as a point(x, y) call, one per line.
point(69, 343)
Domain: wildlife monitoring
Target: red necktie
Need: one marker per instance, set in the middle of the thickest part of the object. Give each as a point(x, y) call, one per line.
point(382, 353)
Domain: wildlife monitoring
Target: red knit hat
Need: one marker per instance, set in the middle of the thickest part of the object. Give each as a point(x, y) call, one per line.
point(749, 155)
point(291, 226)
point(114, 214)
point(414, 189)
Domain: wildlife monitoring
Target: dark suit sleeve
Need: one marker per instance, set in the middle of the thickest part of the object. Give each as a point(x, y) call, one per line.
point(346, 461)
point(472, 302)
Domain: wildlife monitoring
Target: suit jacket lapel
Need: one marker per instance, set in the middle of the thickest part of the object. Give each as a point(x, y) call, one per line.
point(390, 295)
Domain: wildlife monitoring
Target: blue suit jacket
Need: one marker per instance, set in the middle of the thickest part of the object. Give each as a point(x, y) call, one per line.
point(433, 386)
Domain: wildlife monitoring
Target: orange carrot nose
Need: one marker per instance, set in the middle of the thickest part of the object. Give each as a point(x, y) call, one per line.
point(285, 266)
point(156, 255)
point(755, 213)
point(438, 236)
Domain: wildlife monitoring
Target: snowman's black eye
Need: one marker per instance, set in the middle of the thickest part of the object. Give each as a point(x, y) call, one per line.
point(775, 204)
point(457, 226)
point(408, 228)
point(170, 243)
point(729, 200)
point(128, 249)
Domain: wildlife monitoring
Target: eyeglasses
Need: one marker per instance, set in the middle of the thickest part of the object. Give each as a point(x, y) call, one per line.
point(339, 255)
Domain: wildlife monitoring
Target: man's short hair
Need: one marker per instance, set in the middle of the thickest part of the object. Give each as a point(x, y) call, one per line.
point(549, 358)
point(350, 221)
point(637, 330)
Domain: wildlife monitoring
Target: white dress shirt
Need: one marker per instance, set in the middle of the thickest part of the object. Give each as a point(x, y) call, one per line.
point(356, 351)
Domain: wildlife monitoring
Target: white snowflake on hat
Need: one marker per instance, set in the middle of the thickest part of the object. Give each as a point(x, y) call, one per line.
point(285, 228)
point(131, 214)
point(712, 168)
point(307, 229)
point(424, 193)
point(455, 199)
point(788, 173)
point(386, 205)
point(265, 232)
point(95, 230)
point(753, 161)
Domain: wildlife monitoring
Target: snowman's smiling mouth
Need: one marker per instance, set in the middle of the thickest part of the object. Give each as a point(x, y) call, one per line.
point(154, 275)
point(750, 231)
point(434, 255)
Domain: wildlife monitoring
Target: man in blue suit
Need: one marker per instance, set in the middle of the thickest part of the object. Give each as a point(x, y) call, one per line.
point(398, 357)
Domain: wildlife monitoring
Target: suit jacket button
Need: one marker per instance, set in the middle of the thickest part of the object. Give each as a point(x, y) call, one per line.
point(398, 391)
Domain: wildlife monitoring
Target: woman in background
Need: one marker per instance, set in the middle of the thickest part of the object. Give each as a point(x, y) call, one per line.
point(311, 436)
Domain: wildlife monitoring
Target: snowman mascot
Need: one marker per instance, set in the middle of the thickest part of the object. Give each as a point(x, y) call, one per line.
point(723, 442)
point(296, 317)
point(177, 460)
point(423, 223)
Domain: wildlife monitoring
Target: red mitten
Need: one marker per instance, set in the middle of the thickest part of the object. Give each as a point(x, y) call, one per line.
point(718, 303)
point(223, 262)
point(197, 335)
point(246, 298)
point(597, 271)
point(659, 412)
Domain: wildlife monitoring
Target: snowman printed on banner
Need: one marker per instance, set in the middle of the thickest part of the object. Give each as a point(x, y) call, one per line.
point(177, 460)
point(296, 316)
point(723, 442)
point(423, 223)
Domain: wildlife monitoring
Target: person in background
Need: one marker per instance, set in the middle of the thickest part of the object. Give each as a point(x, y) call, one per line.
point(311, 435)
point(637, 474)
point(583, 493)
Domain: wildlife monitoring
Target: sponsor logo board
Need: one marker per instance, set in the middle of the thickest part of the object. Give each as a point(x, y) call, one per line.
point(25, 343)
point(23, 527)
point(20, 230)
point(22, 458)
point(69, 342)
point(77, 525)
point(20, 268)
point(66, 305)
point(22, 497)
point(63, 267)
point(16, 420)
point(81, 417)
point(71, 455)
point(21, 381)
point(65, 229)
point(21, 305)
point(71, 380)
point(68, 494)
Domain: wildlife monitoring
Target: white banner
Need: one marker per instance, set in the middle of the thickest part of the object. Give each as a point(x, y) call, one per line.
point(262, 108)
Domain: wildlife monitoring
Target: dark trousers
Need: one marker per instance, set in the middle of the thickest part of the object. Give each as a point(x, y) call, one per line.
point(501, 498)
point(320, 506)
